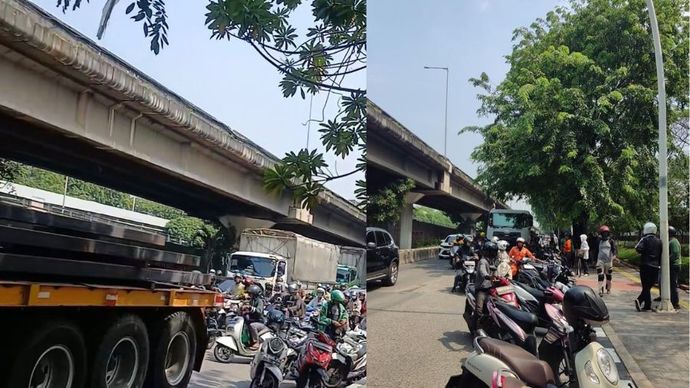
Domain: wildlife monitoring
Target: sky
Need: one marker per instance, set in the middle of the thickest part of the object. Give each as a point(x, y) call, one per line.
point(469, 37)
point(227, 79)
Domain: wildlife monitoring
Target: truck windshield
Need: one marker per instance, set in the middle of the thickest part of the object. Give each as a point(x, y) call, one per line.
point(511, 220)
point(341, 275)
point(253, 265)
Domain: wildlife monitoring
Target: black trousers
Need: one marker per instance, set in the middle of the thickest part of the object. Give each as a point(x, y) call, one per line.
point(648, 276)
point(675, 270)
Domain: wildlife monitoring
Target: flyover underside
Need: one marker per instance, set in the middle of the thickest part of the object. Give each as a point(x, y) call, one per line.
point(42, 147)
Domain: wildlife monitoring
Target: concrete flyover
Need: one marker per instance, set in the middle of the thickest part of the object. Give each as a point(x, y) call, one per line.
point(394, 152)
point(70, 106)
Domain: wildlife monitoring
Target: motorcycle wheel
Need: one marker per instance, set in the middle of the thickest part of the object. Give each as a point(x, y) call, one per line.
point(337, 373)
point(223, 354)
point(270, 381)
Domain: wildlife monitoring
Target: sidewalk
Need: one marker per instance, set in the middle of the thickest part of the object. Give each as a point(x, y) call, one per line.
point(653, 346)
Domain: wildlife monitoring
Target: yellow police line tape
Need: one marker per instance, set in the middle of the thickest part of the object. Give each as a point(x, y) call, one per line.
point(655, 290)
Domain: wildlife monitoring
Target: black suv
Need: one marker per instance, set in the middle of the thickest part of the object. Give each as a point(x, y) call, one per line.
point(382, 256)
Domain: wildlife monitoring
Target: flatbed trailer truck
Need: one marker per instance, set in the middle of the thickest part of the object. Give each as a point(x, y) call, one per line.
point(86, 304)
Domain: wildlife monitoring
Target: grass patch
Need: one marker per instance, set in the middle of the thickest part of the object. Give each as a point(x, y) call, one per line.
point(630, 256)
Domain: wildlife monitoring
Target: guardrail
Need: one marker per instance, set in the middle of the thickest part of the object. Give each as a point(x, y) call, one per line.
point(418, 254)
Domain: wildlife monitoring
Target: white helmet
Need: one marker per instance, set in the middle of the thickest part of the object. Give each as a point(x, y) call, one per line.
point(520, 239)
point(649, 228)
point(494, 239)
point(502, 245)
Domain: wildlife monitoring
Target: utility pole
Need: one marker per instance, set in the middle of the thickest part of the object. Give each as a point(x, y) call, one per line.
point(445, 128)
point(64, 193)
point(665, 305)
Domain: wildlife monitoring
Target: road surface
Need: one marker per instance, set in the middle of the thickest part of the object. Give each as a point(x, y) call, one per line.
point(417, 336)
point(217, 375)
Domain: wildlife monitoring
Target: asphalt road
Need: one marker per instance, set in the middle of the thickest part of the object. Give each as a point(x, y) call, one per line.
point(417, 336)
point(217, 375)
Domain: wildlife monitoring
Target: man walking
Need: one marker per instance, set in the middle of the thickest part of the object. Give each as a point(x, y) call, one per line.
point(606, 253)
point(649, 248)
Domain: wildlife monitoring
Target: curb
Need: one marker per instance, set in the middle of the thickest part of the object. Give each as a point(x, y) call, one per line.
point(636, 373)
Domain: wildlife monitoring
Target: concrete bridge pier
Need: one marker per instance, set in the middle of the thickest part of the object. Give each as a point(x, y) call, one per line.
point(406, 218)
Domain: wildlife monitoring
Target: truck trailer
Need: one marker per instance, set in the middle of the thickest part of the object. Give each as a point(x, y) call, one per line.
point(89, 304)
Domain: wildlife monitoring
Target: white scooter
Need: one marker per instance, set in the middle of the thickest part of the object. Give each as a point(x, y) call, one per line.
point(492, 355)
point(349, 363)
point(237, 340)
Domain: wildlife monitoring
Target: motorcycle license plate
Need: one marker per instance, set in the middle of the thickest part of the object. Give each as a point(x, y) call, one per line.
point(504, 290)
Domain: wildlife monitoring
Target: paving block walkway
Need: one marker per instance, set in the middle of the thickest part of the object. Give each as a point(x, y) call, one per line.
point(654, 347)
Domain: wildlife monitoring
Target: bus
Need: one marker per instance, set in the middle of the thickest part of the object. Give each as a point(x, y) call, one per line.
point(509, 224)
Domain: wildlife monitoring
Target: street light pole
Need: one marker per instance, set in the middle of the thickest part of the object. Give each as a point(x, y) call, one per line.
point(665, 305)
point(445, 127)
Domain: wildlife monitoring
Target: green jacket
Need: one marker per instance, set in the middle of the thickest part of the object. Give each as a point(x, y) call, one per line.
point(331, 311)
point(674, 251)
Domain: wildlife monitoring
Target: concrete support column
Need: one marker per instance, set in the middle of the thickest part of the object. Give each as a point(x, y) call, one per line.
point(406, 218)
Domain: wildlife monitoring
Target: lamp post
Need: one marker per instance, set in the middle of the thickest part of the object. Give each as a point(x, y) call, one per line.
point(445, 134)
point(665, 305)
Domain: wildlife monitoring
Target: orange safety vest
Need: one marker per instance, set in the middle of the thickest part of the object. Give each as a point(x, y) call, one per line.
point(568, 246)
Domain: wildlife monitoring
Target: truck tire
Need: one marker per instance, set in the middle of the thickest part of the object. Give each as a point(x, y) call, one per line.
point(174, 352)
point(392, 274)
point(122, 356)
point(54, 353)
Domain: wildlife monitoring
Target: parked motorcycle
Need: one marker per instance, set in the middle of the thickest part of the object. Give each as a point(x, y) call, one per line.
point(503, 318)
point(570, 346)
point(491, 355)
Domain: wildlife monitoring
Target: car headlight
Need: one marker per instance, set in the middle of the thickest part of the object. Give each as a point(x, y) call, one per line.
point(607, 366)
point(589, 371)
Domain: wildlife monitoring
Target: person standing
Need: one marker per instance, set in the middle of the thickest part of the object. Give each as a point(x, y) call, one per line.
point(649, 248)
point(674, 259)
point(568, 250)
point(605, 254)
point(583, 256)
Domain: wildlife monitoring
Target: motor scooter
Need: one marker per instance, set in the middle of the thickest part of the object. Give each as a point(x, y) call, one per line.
point(503, 319)
point(465, 273)
point(237, 340)
point(349, 363)
point(574, 355)
point(491, 355)
point(313, 361)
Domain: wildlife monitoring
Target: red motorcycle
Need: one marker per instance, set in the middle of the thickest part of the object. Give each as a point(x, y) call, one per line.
point(313, 361)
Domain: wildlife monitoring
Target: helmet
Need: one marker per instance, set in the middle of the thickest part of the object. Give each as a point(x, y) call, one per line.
point(269, 287)
point(603, 229)
point(337, 296)
point(490, 250)
point(362, 293)
point(320, 291)
point(254, 290)
point(502, 245)
point(494, 239)
point(212, 272)
point(292, 288)
point(275, 316)
point(671, 231)
point(482, 234)
point(582, 303)
point(649, 228)
point(521, 240)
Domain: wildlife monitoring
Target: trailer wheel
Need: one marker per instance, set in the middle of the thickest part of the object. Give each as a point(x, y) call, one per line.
point(52, 356)
point(122, 355)
point(174, 352)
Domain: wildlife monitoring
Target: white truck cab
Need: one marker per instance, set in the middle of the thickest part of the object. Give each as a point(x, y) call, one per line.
point(263, 268)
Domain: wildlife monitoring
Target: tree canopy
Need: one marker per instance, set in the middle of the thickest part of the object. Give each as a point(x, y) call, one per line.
point(320, 58)
point(575, 119)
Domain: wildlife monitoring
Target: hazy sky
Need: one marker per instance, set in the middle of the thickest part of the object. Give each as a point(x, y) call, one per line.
point(468, 36)
point(229, 80)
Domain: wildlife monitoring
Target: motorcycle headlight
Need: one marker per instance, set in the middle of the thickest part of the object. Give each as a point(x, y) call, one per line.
point(607, 366)
point(589, 371)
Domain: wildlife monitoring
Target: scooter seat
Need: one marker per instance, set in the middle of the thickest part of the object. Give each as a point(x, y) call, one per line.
point(525, 319)
point(531, 370)
point(536, 293)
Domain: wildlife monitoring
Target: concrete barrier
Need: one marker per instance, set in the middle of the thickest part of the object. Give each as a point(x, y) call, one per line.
point(418, 254)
